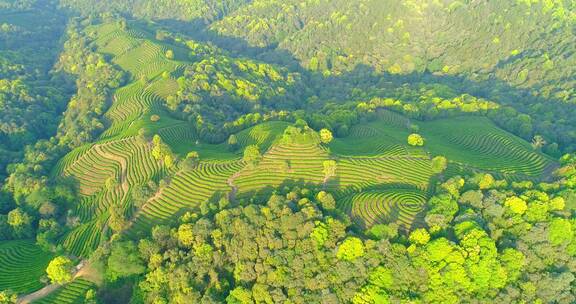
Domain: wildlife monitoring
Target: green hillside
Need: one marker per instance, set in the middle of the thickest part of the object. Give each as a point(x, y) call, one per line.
point(22, 263)
point(270, 151)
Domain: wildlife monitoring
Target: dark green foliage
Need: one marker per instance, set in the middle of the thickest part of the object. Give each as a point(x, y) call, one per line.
point(124, 261)
point(31, 99)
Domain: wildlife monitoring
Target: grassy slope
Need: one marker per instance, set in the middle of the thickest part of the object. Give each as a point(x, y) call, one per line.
point(71, 293)
point(373, 161)
point(22, 263)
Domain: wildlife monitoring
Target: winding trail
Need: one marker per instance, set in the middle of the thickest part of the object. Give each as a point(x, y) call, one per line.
point(48, 289)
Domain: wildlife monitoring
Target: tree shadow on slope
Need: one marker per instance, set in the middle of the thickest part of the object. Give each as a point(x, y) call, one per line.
point(354, 84)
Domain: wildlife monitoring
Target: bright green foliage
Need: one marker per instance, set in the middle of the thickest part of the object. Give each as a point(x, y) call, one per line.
point(439, 164)
point(419, 237)
point(329, 168)
point(350, 249)
point(20, 222)
point(516, 205)
point(560, 231)
point(382, 277)
point(374, 292)
point(168, 161)
point(59, 270)
point(326, 136)
point(241, 238)
point(513, 261)
point(240, 296)
point(252, 155)
point(536, 212)
point(326, 200)
point(191, 161)
point(557, 203)
point(486, 182)
point(90, 297)
point(170, 54)
point(320, 233)
point(6, 297)
point(382, 231)
point(186, 234)
point(371, 295)
point(471, 266)
point(502, 241)
point(232, 141)
point(415, 140)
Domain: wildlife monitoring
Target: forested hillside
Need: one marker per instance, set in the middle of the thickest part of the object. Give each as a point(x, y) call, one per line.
point(519, 53)
point(267, 151)
point(31, 99)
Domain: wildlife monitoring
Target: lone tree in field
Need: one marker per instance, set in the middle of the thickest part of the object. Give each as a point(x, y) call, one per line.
point(60, 270)
point(538, 142)
point(232, 142)
point(154, 118)
point(252, 155)
point(117, 221)
point(168, 160)
point(415, 140)
point(326, 136)
point(20, 222)
point(439, 164)
point(170, 54)
point(191, 161)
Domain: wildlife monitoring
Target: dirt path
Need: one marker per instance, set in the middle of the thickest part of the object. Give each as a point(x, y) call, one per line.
point(39, 294)
point(29, 298)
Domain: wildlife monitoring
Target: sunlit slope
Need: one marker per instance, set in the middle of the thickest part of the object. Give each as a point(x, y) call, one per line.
point(378, 177)
point(468, 141)
point(477, 142)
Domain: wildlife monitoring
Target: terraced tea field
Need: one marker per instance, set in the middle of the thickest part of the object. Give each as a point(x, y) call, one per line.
point(404, 207)
point(384, 137)
point(283, 164)
point(378, 177)
point(477, 142)
point(71, 293)
point(470, 142)
point(127, 163)
point(83, 239)
point(186, 191)
point(22, 263)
